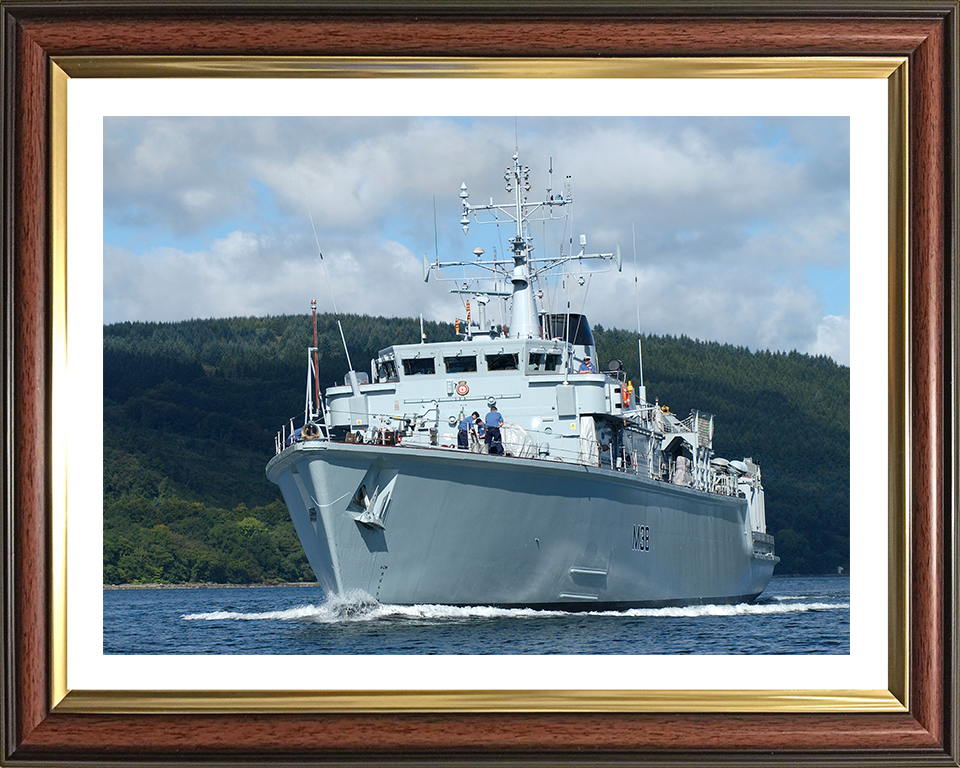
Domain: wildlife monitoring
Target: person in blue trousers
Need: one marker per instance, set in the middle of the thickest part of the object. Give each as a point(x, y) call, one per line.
point(463, 432)
point(492, 438)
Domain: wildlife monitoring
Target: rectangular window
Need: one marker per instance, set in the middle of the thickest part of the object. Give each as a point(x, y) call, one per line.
point(418, 366)
point(542, 361)
point(503, 362)
point(467, 364)
point(387, 370)
point(572, 328)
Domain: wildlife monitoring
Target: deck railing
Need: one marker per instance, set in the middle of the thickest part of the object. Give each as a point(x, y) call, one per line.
point(543, 448)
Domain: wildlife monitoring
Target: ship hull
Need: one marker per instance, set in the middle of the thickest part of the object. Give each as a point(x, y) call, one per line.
point(419, 526)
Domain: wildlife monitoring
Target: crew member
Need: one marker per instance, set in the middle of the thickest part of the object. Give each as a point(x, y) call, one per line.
point(479, 432)
point(492, 438)
point(586, 366)
point(463, 432)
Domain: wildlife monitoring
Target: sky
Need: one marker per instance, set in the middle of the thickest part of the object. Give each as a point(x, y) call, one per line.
point(731, 229)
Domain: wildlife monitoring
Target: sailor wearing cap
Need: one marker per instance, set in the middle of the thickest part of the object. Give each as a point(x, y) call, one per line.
point(492, 438)
point(586, 366)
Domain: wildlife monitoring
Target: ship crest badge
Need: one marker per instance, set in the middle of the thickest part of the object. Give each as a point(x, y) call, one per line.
point(462, 388)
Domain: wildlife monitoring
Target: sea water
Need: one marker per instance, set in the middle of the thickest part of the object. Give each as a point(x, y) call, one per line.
point(795, 615)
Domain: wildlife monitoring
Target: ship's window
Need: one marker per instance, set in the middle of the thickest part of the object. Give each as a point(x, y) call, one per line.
point(573, 328)
point(505, 361)
point(542, 361)
point(387, 370)
point(461, 364)
point(362, 378)
point(418, 365)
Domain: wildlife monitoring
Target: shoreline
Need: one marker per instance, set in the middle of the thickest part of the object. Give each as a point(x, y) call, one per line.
point(207, 585)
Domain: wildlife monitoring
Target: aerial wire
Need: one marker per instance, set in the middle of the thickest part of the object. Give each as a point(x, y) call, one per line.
point(436, 237)
point(636, 283)
point(583, 304)
point(333, 299)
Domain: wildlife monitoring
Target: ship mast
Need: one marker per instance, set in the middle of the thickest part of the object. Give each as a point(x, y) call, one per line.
point(524, 318)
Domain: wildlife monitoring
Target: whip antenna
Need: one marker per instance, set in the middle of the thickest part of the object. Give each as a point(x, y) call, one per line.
point(636, 282)
point(436, 236)
point(333, 299)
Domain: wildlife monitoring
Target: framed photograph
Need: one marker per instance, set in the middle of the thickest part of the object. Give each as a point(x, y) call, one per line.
point(187, 709)
point(372, 268)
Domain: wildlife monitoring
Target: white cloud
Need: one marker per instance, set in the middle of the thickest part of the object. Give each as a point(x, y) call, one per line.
point(833, 339)
point(241, 275)
point(208, 217)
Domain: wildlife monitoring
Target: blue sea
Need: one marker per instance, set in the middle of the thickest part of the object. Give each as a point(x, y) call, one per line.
point(795, 615)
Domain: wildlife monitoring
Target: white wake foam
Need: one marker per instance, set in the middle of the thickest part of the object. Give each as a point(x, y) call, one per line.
point(740, 609)
point(354, 606)
point(358, 606)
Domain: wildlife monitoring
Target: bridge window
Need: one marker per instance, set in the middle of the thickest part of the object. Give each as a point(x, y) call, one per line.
point(461, 364)
point(387, 370)
point(418, 366)
point(542, 361)
point(505, 361)
point(573, 328)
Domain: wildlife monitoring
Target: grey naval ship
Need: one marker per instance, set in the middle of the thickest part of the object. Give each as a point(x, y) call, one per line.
point(593, 498)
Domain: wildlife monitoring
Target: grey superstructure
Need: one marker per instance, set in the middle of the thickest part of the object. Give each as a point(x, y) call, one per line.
point(602, 499)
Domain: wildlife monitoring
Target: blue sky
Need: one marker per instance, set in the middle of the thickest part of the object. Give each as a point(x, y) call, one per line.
point(742, 224)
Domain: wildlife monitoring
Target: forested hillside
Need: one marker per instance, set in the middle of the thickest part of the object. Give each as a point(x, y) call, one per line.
point(191, 408)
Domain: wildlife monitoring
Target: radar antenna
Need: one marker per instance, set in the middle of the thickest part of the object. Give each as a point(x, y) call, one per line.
point(524, 266)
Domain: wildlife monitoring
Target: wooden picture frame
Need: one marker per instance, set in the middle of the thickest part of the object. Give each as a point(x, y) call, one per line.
point(40, 727)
